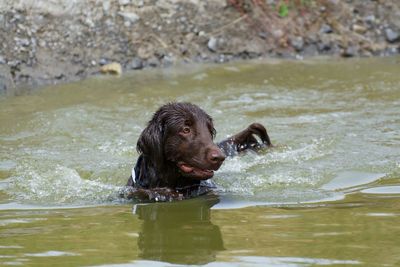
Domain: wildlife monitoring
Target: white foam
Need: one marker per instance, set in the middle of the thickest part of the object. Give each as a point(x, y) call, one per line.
point(57, 185)
point(52, 253)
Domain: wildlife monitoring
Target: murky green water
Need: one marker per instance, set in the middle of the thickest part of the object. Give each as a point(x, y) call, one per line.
point(328, 194)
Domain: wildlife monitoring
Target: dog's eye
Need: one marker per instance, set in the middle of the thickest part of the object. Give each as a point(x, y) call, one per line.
point(186, 130)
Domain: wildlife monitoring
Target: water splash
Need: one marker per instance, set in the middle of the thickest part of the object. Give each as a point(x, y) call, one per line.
point(58, 185)
point(278, 175)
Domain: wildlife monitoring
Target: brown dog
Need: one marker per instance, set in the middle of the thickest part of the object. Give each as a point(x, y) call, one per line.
point(178, 155)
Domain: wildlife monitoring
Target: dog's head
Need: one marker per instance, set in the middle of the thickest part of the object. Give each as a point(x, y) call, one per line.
point(182, 134)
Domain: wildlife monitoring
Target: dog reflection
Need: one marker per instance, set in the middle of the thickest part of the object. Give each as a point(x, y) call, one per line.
point(179, 232)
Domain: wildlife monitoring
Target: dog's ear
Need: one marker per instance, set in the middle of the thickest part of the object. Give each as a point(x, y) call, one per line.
point(151, 141)
point(211, 127)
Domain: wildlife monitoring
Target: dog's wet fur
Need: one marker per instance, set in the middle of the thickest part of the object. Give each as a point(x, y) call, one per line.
point(178, 155)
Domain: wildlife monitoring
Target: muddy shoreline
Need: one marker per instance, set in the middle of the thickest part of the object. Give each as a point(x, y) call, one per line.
point(56, 41)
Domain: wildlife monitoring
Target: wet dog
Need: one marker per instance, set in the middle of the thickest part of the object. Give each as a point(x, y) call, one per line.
point(178, 155)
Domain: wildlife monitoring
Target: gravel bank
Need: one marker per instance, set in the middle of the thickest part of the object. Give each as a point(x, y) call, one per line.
point(53, 41)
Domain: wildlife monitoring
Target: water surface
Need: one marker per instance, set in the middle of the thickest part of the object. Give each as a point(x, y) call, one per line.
point(327, 194)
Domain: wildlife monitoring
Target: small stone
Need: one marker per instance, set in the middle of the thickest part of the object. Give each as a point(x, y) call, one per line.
point(138, 3)
point(183, 49)
point(263, 35)
point(103, 61)
point(2, 60)
point(391, 35)
point(136, 64)
point(359, 28)
point(6, 82)
point(350, 51)
point(124, 2)
point(17, 17)
point(310, 50)
point(22, 41)
point(42, 43)
point(129, 16)
point(297, 43)
point(153, 62)
point(13, 63)
point(324, 46)
point(221, 59)
point(33, 41)
point(277, 33)
point(89, 22)
point(370, 19)
point(168, 61)
point(325, 28)
point(212, 44)
point(112, 68)
point(189, 37)
point(312, 38)
point(106, 6)
point(59, 76)
point(392, 51)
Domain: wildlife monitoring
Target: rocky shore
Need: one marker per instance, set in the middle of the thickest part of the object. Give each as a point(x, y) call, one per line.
point(53, 41)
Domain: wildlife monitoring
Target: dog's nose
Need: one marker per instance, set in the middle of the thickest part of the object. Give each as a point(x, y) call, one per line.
point(216, 156)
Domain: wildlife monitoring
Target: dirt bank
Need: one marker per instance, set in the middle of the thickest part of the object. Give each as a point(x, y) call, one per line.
point(53, 41)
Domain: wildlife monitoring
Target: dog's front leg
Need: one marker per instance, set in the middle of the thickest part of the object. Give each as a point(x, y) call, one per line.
point(160, 194)
point(246, 139)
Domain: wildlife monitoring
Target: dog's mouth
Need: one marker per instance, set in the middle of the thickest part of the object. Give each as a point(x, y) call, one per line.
point(194, 172)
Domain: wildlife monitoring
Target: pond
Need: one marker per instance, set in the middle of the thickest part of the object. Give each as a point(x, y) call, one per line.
point(328, 193)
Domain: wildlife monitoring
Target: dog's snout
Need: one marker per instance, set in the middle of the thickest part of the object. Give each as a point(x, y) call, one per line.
point(215, 156)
